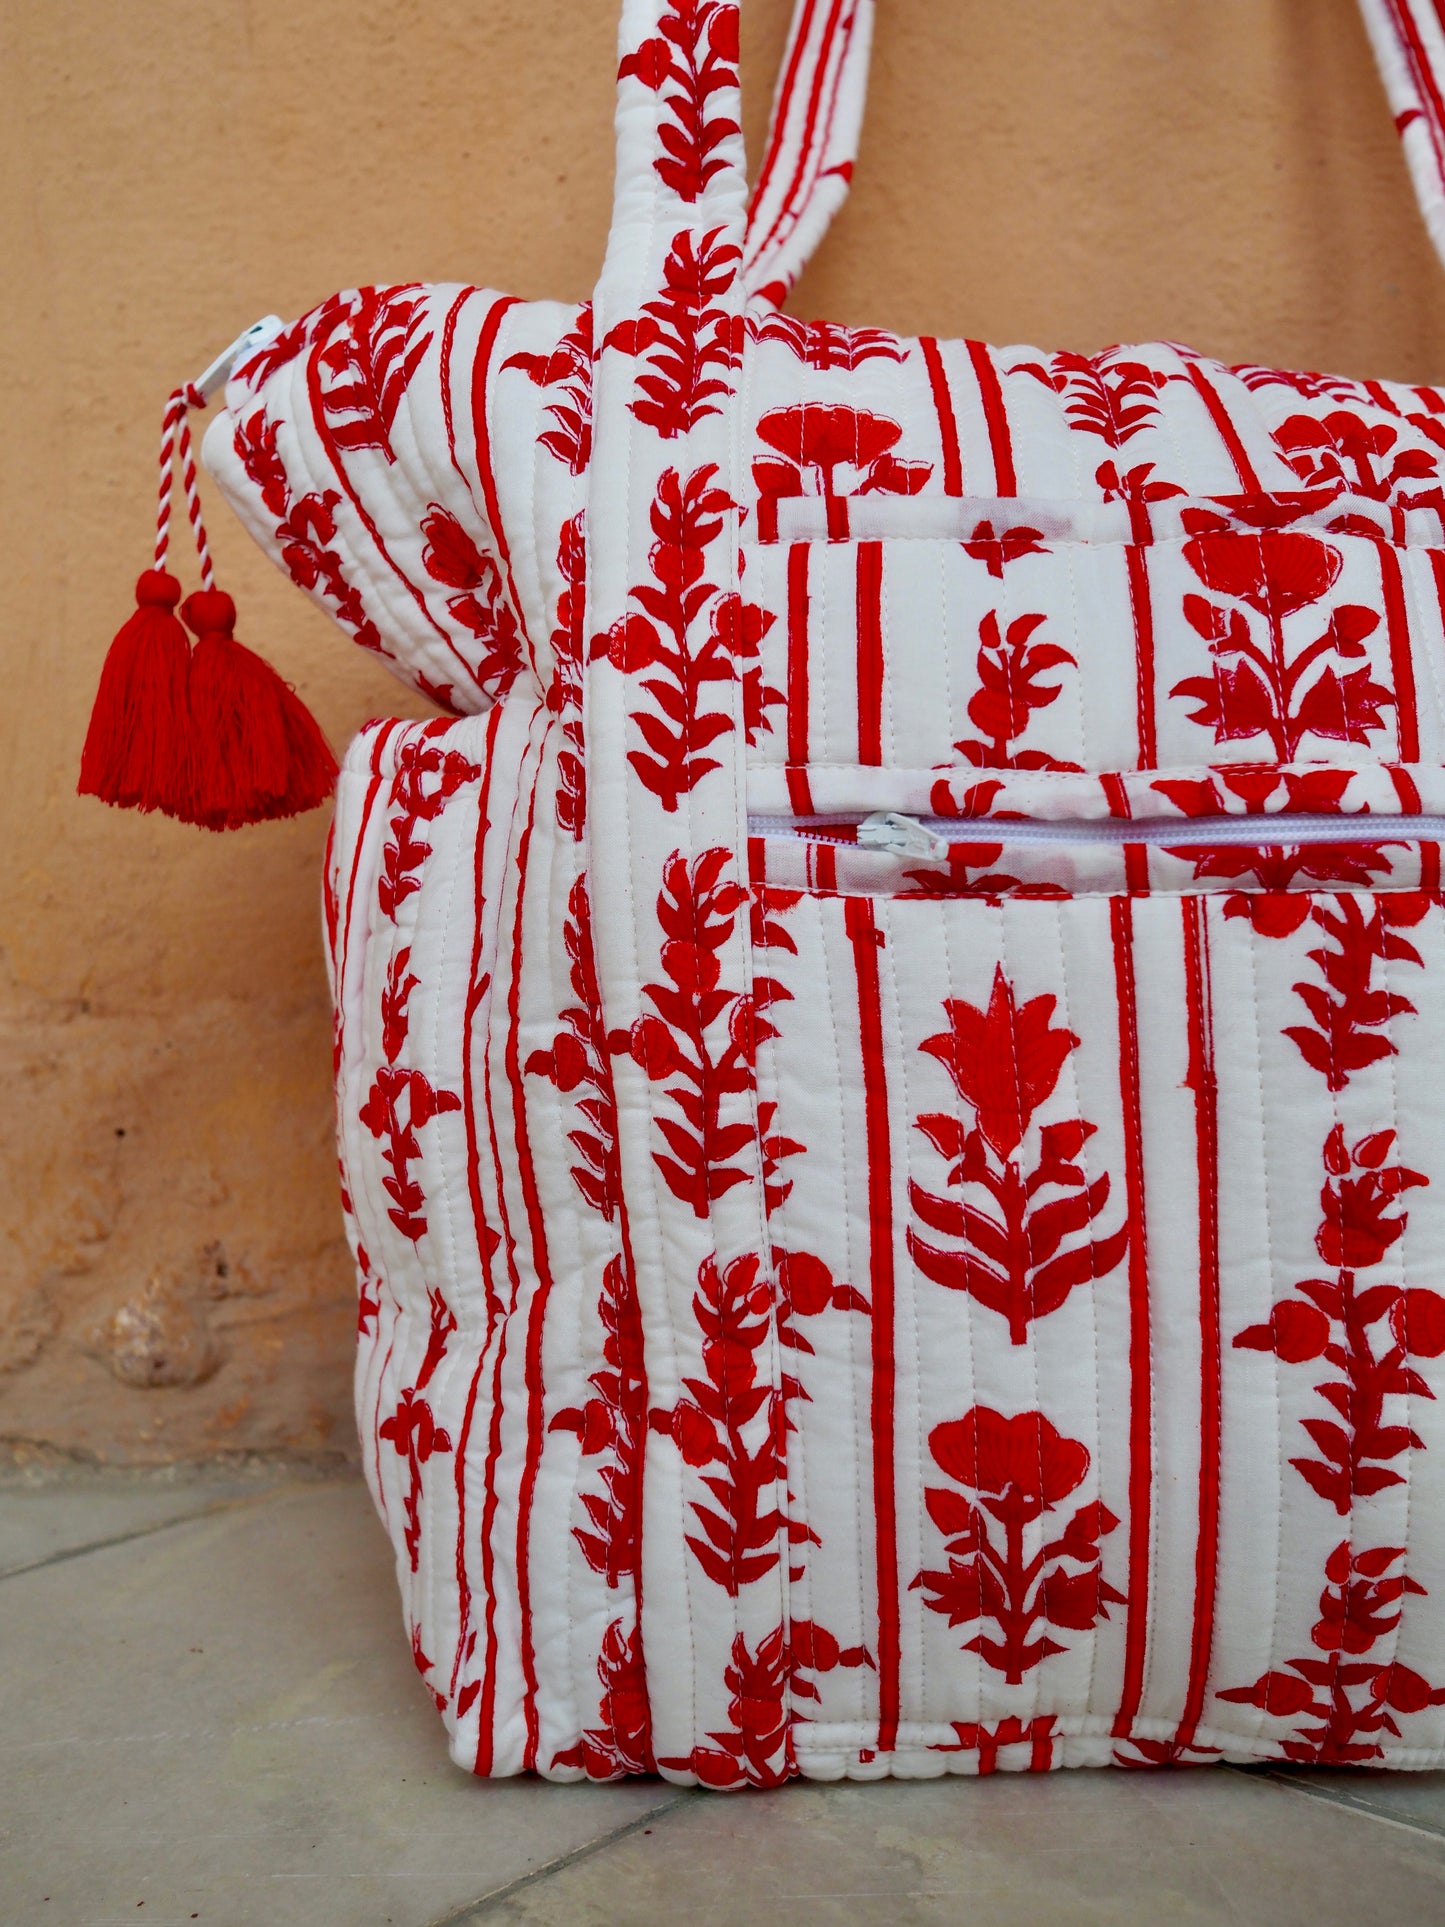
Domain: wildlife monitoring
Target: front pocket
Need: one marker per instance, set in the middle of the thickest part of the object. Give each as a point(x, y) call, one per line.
point(1041, 1172)
point(909, 632)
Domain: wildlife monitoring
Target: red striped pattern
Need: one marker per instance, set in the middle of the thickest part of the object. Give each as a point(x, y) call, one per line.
point(1141, 1440)
point(870, 653)
point(867, 939)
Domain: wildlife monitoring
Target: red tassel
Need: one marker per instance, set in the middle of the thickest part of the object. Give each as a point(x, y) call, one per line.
point(137, 749)
point(256, 750)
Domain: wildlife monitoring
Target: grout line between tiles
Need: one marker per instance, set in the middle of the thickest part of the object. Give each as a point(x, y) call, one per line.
point(239, 1503)
point(1331, 1797)
point(476, 1910)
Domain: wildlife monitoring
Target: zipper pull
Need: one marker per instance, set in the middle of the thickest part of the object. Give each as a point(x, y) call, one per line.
point(893, 834)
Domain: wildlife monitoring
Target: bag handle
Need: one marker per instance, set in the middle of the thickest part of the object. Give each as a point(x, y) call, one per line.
point(812, 142)
point(679, 138)
point(818, 110)
point(1409, 49)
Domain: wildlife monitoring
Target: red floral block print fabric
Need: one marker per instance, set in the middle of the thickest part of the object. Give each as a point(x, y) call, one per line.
point(831, 1309)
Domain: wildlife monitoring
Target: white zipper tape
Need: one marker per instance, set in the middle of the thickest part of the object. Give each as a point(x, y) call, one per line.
point(894, 833)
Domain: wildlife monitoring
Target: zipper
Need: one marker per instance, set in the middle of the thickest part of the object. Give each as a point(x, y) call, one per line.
point(892, 833)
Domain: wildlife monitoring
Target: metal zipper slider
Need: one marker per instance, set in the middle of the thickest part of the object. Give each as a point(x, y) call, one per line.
point(893, 834)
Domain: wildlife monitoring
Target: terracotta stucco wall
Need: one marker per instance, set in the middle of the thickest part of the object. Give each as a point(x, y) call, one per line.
point(1071, 172)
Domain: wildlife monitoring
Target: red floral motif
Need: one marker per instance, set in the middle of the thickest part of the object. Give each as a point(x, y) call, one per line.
point(1018, 1468)
point(370, 363)
point(623, 1742)
point(1366, 1333)
point(613, 1423)
point(1258, 690)
point(412, 1430)
point(1351, 1017)
point(1343, 451)
point(579, 1060)
point(565, 695)
point(656, 639)
point(756, 1748)
point(451, 557)
point(693, 56)
point(690, 345)
point(427, 777)
point(1010, 692)
point(1004, 1063)
point(839, 450)
point(1341, 1698)
point(303, 528)
point(568, 370)
point(1105, 395)
point(996, 550)
point(825, 345)
point(1277, 907)
point(698, 1039)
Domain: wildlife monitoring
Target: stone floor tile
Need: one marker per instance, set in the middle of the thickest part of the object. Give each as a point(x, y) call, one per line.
point(1414, 1799)
point(1198, 1848)
point(47, 1521)
point(222, 1720)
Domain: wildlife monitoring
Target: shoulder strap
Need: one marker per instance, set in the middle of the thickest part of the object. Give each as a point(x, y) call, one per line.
point(812, 142)
point(1410, 49)
point(667, 644)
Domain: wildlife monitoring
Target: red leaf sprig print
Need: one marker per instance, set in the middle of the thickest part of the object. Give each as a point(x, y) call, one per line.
point(1259, 687)
point(1367, 1333)
point(698, 1039)
point(755, 1748)
point(400, 1103)
point(580, 1061)
point(482, 607)
point(564, 697)
point(1004, 1063)
point(1011, 690)
point(303, 527)
point(730, 1422)
point(825, 345)
point(612, 1424)
point(370, 362)
point(1277, 906)
point(732, 1419)
point(692, 56)
point(413, 1431)
point(689, 345)
point(1351, 1016)
point(659, 641)
point(829, 449)
point(1018, 1469)
point(1342, 1697)
point(1107, 395)
point(567, 371)
point(427, 778)
point(622, 1744)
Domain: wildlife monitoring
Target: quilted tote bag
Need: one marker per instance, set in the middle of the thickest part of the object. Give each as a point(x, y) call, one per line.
point(888, 1048)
